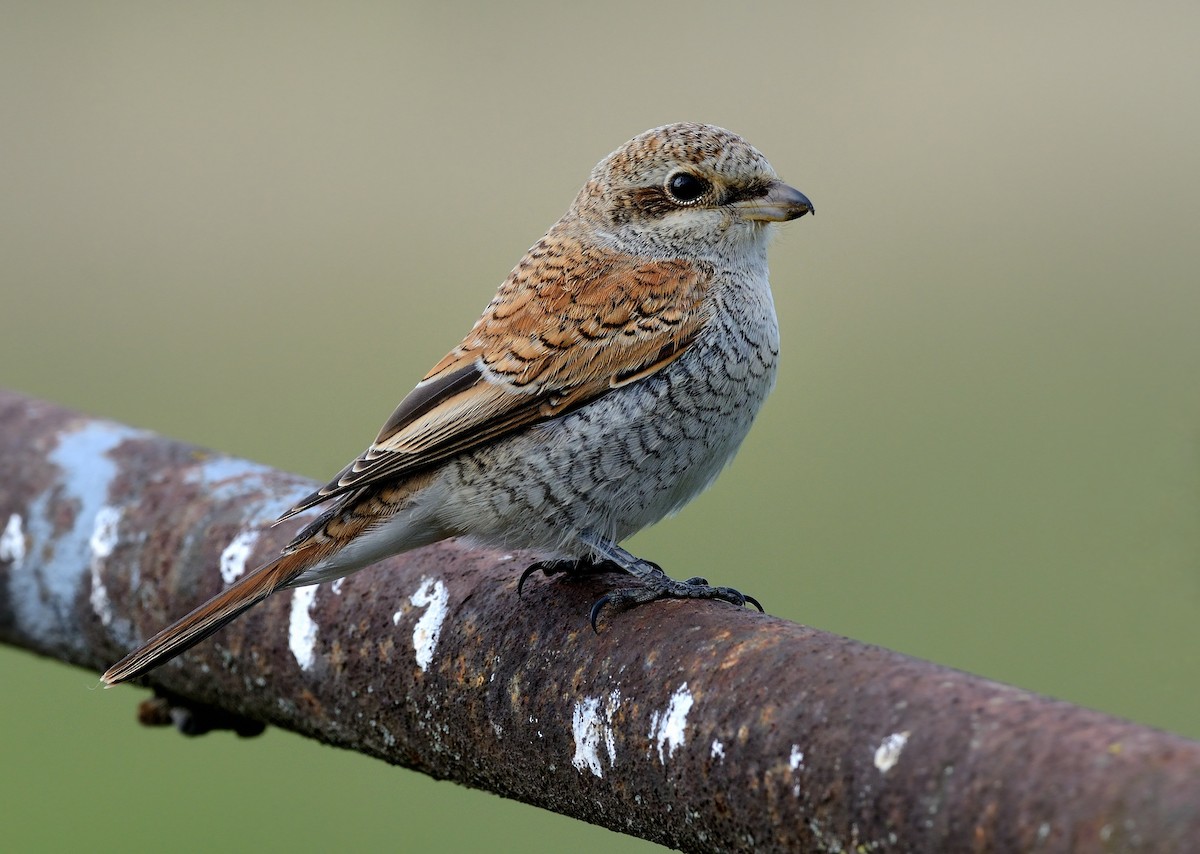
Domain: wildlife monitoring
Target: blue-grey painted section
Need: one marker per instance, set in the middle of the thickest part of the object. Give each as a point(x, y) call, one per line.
point(42, 591)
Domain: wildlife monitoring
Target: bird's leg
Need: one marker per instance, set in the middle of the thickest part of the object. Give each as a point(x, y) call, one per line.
point(655, 584)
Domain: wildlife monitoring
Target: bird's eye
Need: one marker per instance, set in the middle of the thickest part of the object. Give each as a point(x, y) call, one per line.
point(685, 188)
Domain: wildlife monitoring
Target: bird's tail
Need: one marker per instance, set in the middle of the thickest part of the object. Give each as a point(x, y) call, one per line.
point(212, 615)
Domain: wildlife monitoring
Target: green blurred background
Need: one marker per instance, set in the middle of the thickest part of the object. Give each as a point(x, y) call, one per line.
point(253, 227)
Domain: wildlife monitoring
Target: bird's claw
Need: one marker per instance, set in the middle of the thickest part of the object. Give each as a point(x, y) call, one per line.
point(570, 568)
point(597, 607)
point(529, 570)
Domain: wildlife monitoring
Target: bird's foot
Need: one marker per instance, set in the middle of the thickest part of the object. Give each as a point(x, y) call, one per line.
point(656, 584)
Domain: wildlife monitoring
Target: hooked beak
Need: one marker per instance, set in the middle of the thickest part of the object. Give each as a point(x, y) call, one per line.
point(779, 204)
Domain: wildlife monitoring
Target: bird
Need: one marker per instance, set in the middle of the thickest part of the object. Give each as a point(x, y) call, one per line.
point(609, 381)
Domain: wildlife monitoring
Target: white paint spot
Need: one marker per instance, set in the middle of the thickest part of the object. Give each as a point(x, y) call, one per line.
point(302, 628)
point(233, 559)
point(591, 726)
point(12, 542)
point(336, 586)
point(797, 757)
point(587, 727)
point(796, 762)
point(718, 750)
point(667, 728)
point(887, 754)
point(432, 595)
point(104, 532)
point(102, 543)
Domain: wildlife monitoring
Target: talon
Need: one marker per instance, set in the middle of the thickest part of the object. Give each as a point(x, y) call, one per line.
point(754, 602)
point(530, 570)
point(597, 607)
point(548, 568)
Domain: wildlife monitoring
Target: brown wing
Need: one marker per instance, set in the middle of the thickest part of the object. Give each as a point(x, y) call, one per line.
point(567, 326)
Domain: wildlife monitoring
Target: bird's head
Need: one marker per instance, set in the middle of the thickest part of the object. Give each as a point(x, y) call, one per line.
point(686, 189)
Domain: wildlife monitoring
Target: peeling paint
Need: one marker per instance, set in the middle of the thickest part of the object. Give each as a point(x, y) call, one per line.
point(887, 754)
point(302, 628)
point(667, 727)
point(235, 555)
point(591, 725)
point(12, 542)
point(433, 596)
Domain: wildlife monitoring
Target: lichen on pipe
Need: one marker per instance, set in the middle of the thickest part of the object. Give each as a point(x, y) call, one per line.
point(696, 725)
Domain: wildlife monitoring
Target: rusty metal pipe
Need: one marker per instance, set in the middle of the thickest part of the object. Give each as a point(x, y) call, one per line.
point(696, 725)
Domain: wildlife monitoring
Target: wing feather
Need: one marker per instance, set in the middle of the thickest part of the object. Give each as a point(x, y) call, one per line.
point(568, 325)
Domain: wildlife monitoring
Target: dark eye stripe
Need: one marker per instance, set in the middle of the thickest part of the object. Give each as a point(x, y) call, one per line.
point(749, 191)
point(641, 203)
point(654, 202)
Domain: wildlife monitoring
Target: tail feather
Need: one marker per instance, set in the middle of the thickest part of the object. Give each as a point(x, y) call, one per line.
point(209, 617)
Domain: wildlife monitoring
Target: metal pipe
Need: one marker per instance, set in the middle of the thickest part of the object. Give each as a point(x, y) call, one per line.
point(696, 725)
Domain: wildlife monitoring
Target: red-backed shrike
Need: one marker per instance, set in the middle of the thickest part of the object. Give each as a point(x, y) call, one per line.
point(609, 381)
